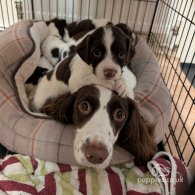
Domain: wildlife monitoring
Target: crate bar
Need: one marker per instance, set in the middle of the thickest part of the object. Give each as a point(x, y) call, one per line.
point(175, 142)
point(179, 63)
point(28, 10)
point(163, 32)
point(172, 132)
point(33, 11)
point(184, 127)
point(192, 154)
point(2, 14)
point(172, 65)
point(57, 9)
point(112, 10)
point(156, 40)
point(7, 12)
point(42, 9)
point(188, 140)
point(157, 22)
point(152, 22)
point(105, 8)
point(144, 17)
point(72, 10)
point(12, 11)
point(81, 5)
point(88, 10)
point(163, 38)
point(120, 15)
point(179, 44)
point(128, 12)
point(171, 16)
point(188, 95)
point(167, 144)
point(24, 11)
point(96, 9)
point(136, 15)
point(180, 13)
point(49, 10)
point(187, 71)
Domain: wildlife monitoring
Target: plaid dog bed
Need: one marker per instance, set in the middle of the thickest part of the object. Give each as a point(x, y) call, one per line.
point(46, 139)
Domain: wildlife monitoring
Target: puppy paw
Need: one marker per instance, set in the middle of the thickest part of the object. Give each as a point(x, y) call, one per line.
point(121, 87)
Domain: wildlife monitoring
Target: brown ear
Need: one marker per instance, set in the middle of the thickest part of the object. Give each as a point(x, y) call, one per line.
point(137, 135)
point(131, 52)
point(132, 40)
point(83, 49)
point(61, 108)
point(125, 29)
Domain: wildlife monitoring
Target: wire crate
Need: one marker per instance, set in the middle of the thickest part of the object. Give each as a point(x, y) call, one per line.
point(173, 41)
point(169, 28)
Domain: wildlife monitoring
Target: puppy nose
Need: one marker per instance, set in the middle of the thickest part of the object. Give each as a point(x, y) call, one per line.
point(109, 73)
point(96, 154)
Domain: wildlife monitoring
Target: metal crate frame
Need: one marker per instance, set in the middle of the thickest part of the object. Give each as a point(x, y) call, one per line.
point(172, 73)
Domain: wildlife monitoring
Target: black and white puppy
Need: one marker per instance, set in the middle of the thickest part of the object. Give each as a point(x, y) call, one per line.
point(102, 58)
point(55, 49)
point(58, 44)
point(102, 118)
point(58, 27)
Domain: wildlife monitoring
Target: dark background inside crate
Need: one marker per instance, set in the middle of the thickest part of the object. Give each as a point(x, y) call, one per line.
point(189, 70)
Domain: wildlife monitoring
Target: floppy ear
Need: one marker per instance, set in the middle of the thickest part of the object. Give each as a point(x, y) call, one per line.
point(131, 42)
point(83, 49)
point(137, 135)
point(125, 29)
point(61, 108)
point(131, 51)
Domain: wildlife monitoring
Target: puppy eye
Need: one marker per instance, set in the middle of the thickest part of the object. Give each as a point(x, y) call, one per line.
point(84, 107)
point(122, 55)
point(119, 115)
point(97, 53)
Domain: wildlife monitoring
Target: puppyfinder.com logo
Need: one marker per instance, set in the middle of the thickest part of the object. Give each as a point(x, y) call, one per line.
point(161, 173)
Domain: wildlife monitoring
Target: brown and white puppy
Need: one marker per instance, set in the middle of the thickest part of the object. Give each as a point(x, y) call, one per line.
point(61, 41)
point(102, 118)
point(62, 38)
point(102, 58)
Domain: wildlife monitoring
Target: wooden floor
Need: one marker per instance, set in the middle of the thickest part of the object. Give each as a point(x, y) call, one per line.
point(183, 109)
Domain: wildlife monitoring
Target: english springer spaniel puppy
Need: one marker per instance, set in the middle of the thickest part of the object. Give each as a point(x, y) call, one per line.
point(102, 118)
point(103, 58)
point(61, 40)
point(59, 44)
point(55, 49)
point(58, 27)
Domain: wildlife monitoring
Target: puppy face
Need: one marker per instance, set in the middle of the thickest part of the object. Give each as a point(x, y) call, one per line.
point(58, 27)
point(106, 50)
point(102, 118)
point(98, 116)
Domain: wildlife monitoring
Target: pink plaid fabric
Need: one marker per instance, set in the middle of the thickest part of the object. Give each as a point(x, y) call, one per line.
point(151, 94)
